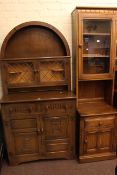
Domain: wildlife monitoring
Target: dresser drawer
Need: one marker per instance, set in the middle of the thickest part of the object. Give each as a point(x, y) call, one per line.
point(109, 121)
point(60, 107)
point(22, 108)
point(51, 107)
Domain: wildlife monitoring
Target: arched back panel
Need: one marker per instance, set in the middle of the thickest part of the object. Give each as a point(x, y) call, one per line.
point(34, 39)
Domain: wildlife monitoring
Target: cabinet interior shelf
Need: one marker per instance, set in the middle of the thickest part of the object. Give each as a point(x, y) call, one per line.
point(42, 84)
point(101, 34)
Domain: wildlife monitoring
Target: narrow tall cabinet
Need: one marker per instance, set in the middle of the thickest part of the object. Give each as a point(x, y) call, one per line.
point(94, 56)
point(38, 108)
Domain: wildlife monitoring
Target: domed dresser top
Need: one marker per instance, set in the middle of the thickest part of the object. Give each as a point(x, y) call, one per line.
point(34, 39)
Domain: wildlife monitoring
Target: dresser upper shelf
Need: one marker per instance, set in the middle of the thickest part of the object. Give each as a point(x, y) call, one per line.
point(35, 56)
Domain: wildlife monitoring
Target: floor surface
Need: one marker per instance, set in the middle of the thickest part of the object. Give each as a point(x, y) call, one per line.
point(61, 167)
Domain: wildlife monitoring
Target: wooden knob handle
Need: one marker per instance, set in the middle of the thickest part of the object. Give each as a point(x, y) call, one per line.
point(42, 130)
point(85, 140)
point(38, 130)
point(100, 123)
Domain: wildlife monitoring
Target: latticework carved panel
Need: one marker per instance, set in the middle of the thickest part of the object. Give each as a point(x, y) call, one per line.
point(52, 71)
point(20, 73)
point(56, 127)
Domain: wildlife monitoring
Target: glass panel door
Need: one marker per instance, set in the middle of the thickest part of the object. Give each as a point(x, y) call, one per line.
point(96, 46)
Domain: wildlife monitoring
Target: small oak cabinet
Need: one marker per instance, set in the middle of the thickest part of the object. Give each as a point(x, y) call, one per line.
point(97, 133)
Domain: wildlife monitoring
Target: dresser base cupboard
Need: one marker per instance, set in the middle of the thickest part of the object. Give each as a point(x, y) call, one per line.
point(39, 129)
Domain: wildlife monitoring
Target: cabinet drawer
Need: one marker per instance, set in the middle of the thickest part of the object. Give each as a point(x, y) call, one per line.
point(108, 121)
point(47, 107)
point(57, 147)
point(91, 123)
point(25, 108)
point(60, 107)
point(99, 122)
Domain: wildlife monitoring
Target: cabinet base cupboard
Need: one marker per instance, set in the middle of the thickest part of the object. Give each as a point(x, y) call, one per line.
point(39, 129)
point(97, 132)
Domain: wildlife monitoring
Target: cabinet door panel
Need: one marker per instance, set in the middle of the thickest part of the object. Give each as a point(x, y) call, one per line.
point(105, 140)
point(56, 134)
point(26, 143)
point(20, 73)
point(26, 136)
point(52, 71)
point(95, 43)
point(90, 143)
point(56, 127)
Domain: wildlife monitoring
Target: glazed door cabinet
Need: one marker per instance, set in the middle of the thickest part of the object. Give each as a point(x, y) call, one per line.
point(97, 139)
point(94, 52)
point(95, 46)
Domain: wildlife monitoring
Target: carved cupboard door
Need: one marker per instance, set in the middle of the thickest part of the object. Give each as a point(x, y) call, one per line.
point(99, 141)
point(90, 142)
point(56, 137)
point(25, 134)
point(106, 140)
